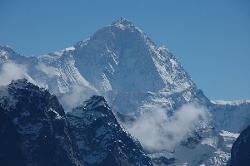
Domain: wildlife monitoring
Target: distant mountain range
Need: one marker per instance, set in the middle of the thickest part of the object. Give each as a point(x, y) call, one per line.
point(139, 81)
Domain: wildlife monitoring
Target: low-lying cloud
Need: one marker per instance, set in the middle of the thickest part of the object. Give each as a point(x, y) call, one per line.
point(157, 131)
point(48, 70)
point(11, 71)
point(76, 96)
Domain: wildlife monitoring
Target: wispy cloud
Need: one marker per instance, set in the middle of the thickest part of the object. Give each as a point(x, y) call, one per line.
point(48, 70)
point(157, 131)
point(76, 96)
point(12, 71)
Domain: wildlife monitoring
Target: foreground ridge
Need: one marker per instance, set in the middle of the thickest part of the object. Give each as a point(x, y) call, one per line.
point(34, 130)
point(101, 139)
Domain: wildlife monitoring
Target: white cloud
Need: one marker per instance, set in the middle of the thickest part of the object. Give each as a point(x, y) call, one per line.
point(48, 70)
point(76, 96)
point(12, 71)
point(156, 131)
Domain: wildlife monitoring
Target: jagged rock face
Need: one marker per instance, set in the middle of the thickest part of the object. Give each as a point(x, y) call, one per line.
point(100, 138)
point(240, 153)
point(38, 125)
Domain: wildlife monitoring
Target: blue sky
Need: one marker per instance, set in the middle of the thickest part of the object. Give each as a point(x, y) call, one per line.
point(211, 38)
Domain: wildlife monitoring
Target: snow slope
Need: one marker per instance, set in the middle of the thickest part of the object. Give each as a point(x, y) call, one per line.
point(128, 68)
point(54, 71)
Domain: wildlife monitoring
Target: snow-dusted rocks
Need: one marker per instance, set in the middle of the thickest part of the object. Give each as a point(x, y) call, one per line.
point(100, 138)
point(33, 129)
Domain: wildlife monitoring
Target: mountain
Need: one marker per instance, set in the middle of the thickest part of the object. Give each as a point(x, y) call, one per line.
point(63, 78)
point(127, 67)
point(241, 149)
point(101, 139)
point(55, 71)
point(34, 130)
point(233, 116)
point(136, 77)
point(8, 54)
point(119, 62)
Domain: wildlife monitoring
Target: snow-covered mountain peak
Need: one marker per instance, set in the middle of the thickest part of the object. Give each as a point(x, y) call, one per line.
point(6, 52)
point(122, 60)
point(117, 29)
point(6, 48)
point(123, 23)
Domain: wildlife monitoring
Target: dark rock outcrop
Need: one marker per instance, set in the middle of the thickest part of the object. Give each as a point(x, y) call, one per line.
point(34, 129)
point(100, 138)
point(240, 153)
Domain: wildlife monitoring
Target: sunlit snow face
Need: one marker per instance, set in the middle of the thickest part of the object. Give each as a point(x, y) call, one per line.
point(156, 131)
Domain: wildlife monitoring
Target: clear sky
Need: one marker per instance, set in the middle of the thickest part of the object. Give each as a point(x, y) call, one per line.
point(211, 38)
